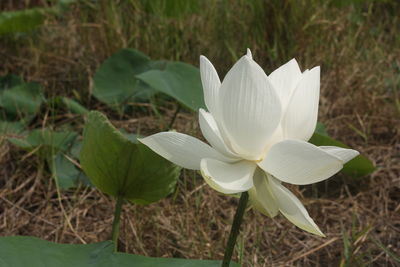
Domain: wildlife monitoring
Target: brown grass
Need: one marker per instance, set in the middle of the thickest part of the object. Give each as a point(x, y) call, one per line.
point(359, 92)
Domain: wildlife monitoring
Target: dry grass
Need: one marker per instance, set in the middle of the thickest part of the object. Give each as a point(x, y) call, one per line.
point(359, 53)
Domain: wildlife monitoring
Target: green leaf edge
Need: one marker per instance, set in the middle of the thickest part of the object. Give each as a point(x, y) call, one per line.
point(102, 253)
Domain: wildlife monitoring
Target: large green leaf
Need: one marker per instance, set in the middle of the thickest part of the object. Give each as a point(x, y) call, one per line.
point(178, 80)
point(22, 101)
point(66, 173)
point(357, 167)
point(20, 251)
point(119, 167)
point(21, 20)
point(115, 82)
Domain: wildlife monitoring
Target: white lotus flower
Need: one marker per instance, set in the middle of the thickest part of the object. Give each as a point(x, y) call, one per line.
point(257, 127)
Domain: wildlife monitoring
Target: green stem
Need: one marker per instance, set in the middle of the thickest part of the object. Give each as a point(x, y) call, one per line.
point(116, 221)
point(178, 108)
point(237, 221)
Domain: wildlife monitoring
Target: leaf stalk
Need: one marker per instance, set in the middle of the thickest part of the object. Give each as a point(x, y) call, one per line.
point(116, 221)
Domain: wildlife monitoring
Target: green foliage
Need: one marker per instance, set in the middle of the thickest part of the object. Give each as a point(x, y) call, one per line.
point(21, 20)
point(27, 20)
point(22, 101)
point(178, 80)
point(45, 139)
point(74, 106)
point(129, 75)
point(11, 128)
point(19, 251)
point(115, 82)
point(53, 147)
point(66, 173)
point(352, 241)
point(9, 81)
point(321, 129)
point(119, 167)
point(174, 9)
point(353, 3)
point(357, 167)
point(62, 105)
point(19, 100)
point(389, 252)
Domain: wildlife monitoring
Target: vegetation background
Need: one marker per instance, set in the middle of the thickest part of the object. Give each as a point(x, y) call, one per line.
point(357, 45)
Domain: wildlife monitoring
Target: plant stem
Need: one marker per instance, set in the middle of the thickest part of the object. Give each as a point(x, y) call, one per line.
point(116, 221)
point(171, 123)
point(237, 221)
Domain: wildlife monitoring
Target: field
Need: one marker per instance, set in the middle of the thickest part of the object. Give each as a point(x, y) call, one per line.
point(357, 45)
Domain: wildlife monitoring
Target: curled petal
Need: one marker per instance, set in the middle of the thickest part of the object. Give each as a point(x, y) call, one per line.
point(300, 118)
point(181, 149)
point(210, 131)
point(250, 109)
point(261, 196)
point(291, 207)
point(228, 178)
point(299, 162)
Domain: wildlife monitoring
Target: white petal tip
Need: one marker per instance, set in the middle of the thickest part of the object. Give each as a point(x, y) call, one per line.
point(249, 54)
point(321, 234)
point(203, 59)
point(205, 62)
point(314, 230)
point(293, 61)
point(304, 222)
point(351, 154)
point(317, 68)
point(291, 207)
point(343, 154)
